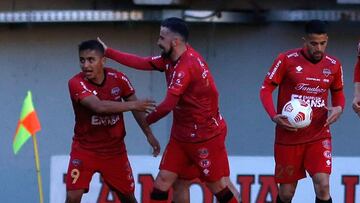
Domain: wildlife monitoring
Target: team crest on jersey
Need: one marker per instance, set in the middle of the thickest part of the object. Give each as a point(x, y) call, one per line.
point(115, 91)
point(326, 144)
point(203, 153)
point(76, 162)
point(326, 72)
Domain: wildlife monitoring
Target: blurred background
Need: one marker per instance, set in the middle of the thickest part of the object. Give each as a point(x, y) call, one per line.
point(239, 39)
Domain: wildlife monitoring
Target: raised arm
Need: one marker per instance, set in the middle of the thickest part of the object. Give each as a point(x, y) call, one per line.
point(140, 119)
point(130, 60)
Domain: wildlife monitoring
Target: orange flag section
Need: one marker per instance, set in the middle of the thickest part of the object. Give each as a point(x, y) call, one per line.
point(28, 124)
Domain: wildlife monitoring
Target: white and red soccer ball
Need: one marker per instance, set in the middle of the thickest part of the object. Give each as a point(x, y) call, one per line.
point(298, 112)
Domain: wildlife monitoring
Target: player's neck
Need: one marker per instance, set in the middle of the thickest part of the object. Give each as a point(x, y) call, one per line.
point(99, 79)
point(178, 51)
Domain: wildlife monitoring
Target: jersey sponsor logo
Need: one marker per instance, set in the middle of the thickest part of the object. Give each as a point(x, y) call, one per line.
point(326, 144)
point(313, 79)
point(317, 102)
point(293, 55)
point(155, 57)
point(333, 61)
point(275, 69)
point(204, 163)
point(128, 82)
point(299, 69)
point(104, 120)
point(115, 91)
point(327, 154)
point(307, 88)
point(328, 163)
point(326, 72)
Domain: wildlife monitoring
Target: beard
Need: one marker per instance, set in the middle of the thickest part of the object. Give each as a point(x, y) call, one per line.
point(166, 54)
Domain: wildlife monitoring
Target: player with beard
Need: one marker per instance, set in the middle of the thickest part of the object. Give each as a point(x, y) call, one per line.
point(308, 74)
point(99, 96)
point(198, 132)
point(356, 100)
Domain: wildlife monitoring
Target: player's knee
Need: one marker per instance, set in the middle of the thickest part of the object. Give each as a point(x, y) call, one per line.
point(322, 190)
point(287, 195)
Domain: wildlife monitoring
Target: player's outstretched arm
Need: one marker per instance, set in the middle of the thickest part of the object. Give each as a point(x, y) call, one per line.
point(140, 119)
point(130, 60)
point(103, 106)
point(356, 100)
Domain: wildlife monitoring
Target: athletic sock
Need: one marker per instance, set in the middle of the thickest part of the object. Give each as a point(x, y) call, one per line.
point(323, 201)
point(225, 196)
point(158, 196)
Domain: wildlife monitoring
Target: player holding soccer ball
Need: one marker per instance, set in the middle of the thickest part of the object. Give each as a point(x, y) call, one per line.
point(309, 74)
point(356, 101)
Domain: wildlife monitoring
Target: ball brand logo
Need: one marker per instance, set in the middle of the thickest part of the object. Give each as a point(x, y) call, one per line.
point(289, 108)
point(299, 117)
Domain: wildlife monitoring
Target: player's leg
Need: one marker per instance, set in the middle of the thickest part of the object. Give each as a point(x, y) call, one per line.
point(174, 161)
point(117, 173)
point(289, 168)
point(79, 174)
point(164, 180)
point(232, 188)
point(322, 188)
point(74, 196)
point(181, 191)
point(286, 192)
point(318, 164)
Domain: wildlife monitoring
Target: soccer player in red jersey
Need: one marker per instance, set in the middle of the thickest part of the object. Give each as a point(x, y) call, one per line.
point(97, 95)
point(198, 131)
point(309, 74)
point(356, 100)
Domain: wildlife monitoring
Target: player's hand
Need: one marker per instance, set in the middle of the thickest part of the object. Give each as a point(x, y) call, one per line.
point(146, 105)
point(154, 144)
point(282, 121)
point(102, 43)
point(355, 105)
point(334, 114)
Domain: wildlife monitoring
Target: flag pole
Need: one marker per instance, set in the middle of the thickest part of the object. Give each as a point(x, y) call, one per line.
point(37, 163)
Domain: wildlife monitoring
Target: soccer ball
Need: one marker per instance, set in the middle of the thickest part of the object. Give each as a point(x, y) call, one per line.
point(298, 112)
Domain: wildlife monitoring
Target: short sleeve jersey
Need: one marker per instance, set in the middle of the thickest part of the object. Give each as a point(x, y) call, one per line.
point(196, 116)
point(100, 133)
point(297, 77)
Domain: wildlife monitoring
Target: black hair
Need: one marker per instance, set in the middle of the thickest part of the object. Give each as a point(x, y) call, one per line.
point(315, 27)
point(177, 25)
point(92, 45)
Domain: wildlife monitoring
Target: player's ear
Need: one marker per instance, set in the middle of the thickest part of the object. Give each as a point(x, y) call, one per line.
point(103, 60)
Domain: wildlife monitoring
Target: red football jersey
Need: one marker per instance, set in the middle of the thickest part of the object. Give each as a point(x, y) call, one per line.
point(100, 133)
point(357, 71)
point(196, 116)
point(297, 77)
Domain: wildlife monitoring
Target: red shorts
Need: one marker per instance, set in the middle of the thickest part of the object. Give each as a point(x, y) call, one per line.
point(293, 160)
point(115, 171)
point(206, 160)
